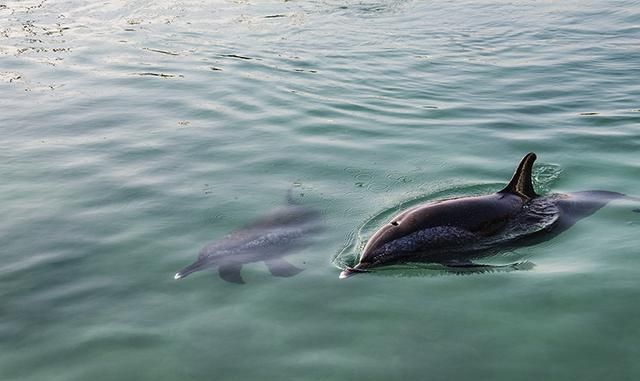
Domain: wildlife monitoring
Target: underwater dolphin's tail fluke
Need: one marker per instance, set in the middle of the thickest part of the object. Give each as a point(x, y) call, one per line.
point(632, 198)
point(195, 266)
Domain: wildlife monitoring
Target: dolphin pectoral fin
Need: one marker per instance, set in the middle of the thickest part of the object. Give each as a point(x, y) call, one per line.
point(280, 267)
point(468, 266)
point(231, 272)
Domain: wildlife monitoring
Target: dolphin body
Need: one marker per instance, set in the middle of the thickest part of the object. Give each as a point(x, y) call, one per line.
point(453, 232)
point(268, 239)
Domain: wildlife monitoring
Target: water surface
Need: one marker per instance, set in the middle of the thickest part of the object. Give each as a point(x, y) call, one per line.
point(133, 133)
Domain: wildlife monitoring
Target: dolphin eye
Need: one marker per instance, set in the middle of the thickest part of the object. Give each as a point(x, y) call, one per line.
point(395, 223)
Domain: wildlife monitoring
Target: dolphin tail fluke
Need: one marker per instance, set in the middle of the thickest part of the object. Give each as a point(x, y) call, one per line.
point(521, 183)
point(632, 198)
point(280, 267)
point(231, 272)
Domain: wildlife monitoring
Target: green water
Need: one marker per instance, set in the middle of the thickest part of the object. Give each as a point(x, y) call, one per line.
point(133, 133)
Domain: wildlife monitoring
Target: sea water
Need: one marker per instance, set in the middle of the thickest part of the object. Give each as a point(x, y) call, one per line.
point(133, 133)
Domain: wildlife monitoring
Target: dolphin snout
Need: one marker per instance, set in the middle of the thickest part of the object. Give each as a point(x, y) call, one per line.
point(349, 271)
point(195, 266)
point(345, 273)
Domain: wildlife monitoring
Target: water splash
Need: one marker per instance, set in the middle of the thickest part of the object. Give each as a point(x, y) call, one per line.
point(544, 176)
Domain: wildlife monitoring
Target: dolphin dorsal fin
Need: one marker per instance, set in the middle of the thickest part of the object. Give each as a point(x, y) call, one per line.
point(520, 183)
point(290, 199)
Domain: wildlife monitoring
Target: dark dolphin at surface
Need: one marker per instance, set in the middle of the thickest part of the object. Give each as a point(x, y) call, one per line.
point(266, 240)
point(453, 232)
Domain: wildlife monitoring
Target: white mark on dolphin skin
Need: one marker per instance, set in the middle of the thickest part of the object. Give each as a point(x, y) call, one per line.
point(178, 276)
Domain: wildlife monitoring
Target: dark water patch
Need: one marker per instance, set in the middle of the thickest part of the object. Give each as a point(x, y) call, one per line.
point(161, 75)
point(56, 31)
point(119, 339)
point(10, 77)
point(162, 51)
point(236, 56)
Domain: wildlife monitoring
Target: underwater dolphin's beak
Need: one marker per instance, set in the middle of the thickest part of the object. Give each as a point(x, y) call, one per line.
point(195, 266)
point(349, 271)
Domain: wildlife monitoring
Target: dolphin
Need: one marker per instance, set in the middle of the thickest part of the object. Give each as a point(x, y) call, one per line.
point(453, 232)
point(265, 240)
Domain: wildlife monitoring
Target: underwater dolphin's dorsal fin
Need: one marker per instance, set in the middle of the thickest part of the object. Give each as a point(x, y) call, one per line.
point(290, 199)
point(520, 183)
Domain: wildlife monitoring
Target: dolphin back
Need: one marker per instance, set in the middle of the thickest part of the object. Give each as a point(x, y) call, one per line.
point(578, 205)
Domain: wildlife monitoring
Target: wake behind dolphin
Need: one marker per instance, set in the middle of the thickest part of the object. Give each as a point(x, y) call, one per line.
point(454, 232)
point(266, 240)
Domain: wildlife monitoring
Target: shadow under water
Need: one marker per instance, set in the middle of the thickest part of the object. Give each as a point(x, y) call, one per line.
point(268, 239)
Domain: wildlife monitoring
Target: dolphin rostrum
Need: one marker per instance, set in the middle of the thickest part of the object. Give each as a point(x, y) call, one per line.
point(268, 240)
point(455, 231)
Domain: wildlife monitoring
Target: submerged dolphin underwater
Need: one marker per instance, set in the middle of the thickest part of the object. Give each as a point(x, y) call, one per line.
point(453, 232)
point(268, 239)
